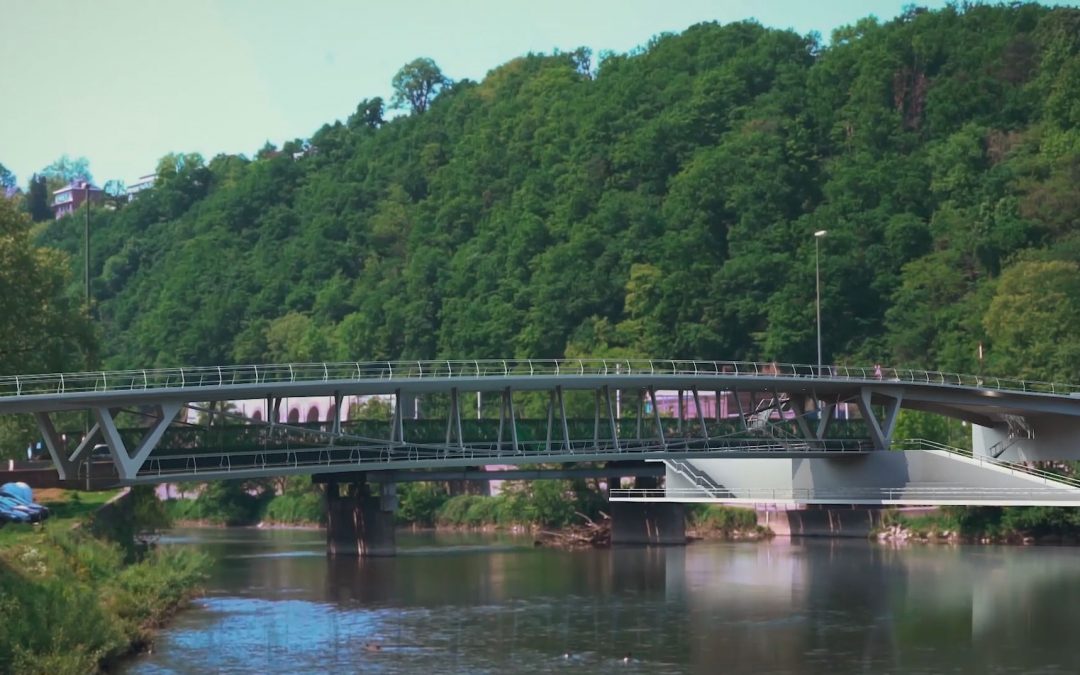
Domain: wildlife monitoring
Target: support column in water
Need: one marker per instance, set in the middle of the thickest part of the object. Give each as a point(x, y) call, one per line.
point(358, 523)
point(649, 523)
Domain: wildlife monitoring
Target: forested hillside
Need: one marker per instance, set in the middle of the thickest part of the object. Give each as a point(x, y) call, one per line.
point(660, 203)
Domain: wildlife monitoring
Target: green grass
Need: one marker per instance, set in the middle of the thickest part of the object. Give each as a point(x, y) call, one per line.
point(726, 520)
point(66, 507)
point(76, 599)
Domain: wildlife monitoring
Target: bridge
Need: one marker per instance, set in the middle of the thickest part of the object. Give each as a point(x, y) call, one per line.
point(785, 441)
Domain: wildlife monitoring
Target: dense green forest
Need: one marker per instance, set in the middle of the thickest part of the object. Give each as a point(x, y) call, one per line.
point(656, 203)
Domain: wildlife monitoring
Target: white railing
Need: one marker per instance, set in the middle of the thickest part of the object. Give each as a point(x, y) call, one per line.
point(379, 454)
point(1047, 477)
point(847, 495)
point(247, 375)
point(699, 478)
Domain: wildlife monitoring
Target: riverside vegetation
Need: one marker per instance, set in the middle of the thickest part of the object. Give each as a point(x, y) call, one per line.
point(660, 202)
point(74, 600)
point(549, 504)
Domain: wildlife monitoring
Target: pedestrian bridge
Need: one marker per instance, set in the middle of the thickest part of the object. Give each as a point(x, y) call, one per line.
point(538, 412)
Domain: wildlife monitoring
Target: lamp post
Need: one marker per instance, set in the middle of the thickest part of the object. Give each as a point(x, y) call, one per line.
point(817, 296)
point(86, 244)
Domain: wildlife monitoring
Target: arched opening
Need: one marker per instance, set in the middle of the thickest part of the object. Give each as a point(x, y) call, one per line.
point(331, 412)
point(312, 414)
point(294, 415)
point(257, 416)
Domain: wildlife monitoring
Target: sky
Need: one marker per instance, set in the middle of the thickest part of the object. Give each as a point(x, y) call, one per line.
point(124, 82)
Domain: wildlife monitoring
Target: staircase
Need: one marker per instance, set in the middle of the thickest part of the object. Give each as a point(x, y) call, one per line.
point(698, 478)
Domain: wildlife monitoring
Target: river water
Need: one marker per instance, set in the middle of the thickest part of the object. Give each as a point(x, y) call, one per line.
point(463, 603)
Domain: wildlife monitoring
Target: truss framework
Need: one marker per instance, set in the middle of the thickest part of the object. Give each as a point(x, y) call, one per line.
point(287, 448)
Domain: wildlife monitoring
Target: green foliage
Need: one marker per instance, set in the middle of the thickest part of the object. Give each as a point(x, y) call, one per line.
point(226, 502)
point(416, 85)
point(660, 203)
point(992, 522)
point(727, 520)
point(296, 508)
point(71, 604)
point(548, 503)
point(37, 199)
point(42, 327)
point(419, 503)
point(66, 169)
point(7, 178)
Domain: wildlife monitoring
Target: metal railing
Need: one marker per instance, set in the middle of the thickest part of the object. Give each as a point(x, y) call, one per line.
point(231, 376)
point(847, 495)
point(697, 477)
point(1047, 477)
point(376, 455)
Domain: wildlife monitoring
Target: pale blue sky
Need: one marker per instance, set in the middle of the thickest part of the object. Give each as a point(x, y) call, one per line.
point(124, 82)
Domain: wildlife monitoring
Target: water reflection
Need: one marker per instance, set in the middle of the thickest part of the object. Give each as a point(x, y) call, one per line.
point(493, 604)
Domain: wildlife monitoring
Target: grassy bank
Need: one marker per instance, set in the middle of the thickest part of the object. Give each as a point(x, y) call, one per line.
point(713, 521)
point(985, 524)
point(73, 600)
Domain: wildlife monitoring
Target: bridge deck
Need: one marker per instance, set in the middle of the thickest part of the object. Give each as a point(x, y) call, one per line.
point(802, 398)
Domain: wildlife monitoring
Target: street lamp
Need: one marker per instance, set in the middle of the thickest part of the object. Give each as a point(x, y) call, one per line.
point(86, 244)
point(817, 276)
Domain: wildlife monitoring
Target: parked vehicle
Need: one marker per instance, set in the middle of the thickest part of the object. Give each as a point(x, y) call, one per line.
point(23, 496)
point(13, 507)
point(11, 515)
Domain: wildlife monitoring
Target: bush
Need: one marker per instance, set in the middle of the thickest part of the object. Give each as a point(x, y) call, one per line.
point(296, 508)
point(419, 503)
point(725, 519)
point(71, 604)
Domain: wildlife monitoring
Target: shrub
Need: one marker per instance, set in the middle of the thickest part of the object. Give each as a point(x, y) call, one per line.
point(725, 519)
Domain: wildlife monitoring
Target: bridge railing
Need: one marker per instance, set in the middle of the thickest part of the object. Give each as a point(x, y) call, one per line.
point(1047, 477)
point(847, 495)
point(212, 377)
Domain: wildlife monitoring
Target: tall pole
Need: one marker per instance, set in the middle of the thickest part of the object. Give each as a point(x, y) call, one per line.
point(86, 246)
point(817, 296)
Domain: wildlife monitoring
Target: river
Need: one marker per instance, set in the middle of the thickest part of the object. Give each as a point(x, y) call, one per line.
point(470, 603)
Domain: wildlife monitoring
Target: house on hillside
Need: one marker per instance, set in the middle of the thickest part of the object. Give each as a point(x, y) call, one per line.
point(142, 183)
point(70, 197)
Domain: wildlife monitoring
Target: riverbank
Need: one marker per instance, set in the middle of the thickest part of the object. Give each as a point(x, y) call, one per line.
point(983, 525)
point(78, 599)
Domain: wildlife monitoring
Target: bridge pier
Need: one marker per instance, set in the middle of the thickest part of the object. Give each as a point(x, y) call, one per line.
point(357, 522)
point(648, 523)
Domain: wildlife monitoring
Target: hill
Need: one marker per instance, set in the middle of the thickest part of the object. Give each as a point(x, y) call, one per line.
point(661, 202)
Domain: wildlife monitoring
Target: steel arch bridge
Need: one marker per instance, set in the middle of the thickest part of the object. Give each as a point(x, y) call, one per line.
point(784, 411)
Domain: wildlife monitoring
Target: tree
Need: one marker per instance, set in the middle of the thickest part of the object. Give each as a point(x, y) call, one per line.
point(417, 84)
point(37, 199)
point(116, 191)
point(1034, 320)
point(42, 328)
point(368, 115)
point(66, 169)
point(7, 179)
point(267, 151)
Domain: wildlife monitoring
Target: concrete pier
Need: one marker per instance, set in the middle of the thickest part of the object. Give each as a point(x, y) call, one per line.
point(648, 523)
point(358, 523)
